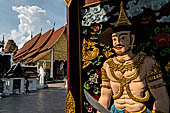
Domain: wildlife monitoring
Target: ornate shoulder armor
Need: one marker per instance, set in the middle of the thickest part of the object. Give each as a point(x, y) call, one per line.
point(104, 75)
point(105, 78)
point(154, 73)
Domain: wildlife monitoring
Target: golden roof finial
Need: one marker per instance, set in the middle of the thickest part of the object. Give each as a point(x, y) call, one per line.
point(41, 30)
point(54, 25)
point(122, 20)
point(31, 35)
point(68, 2)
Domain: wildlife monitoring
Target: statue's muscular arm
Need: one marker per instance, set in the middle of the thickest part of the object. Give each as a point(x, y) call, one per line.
point(105, 96)
point(157, 86)
point(106, 92)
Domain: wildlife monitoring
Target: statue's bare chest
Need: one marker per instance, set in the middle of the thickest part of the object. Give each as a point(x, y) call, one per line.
point(128, 71)
point(125, 74)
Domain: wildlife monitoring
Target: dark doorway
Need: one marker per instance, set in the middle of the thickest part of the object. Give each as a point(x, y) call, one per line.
point(16, 85)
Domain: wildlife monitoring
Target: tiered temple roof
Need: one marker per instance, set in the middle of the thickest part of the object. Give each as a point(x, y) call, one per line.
point(27, 46)
point(50, 43)
point(10, 47)
point(38, 46)
point(15, 71)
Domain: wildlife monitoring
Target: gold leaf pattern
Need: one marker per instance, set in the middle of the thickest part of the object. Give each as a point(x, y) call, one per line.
point(89, 51)
point(69, 103)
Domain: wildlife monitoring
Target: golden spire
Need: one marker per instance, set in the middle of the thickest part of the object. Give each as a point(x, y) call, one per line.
point(53, 25)
point(41, 30)
point(122, 20)
point(31, 35)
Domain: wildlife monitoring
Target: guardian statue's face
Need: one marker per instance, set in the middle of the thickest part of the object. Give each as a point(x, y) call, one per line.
point(122, 41)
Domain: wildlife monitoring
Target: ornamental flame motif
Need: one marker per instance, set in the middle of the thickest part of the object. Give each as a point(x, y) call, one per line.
point(89, 51)
point(69, 103)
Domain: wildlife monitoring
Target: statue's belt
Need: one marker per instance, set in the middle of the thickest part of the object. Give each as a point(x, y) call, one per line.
point(115, 110)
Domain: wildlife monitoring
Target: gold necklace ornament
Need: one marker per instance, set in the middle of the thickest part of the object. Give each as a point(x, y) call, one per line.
point(122, 60)
point(120, 93)
point(119, 52)
point(144, 99)
point(124, 82)
point(123, 68)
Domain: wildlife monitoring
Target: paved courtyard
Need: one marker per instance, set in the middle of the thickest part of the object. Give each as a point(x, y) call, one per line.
point(49, 100)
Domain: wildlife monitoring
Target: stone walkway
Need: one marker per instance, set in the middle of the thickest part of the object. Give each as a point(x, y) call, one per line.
point(49, 100)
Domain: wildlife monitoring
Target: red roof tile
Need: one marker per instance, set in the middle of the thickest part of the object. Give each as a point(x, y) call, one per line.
point(28, 45)
point(30, 54)
point(38, 56)
point(41, 47)
point(54, 38)
point(40, 43)
point(43, 39)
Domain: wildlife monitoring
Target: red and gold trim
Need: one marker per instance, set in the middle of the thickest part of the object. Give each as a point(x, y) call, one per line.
point(68, 2)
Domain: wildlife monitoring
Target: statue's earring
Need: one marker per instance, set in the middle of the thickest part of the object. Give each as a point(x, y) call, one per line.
point(132, 43)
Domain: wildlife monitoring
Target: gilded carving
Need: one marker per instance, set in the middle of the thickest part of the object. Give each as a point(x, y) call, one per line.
point(167, 67)
point(158, 85)
point(89, 51)
point(156, 69)
point(124, 68)
point(128, 76)
point(69, 103)
point(68, 2)
point(104, 75)
point(108, 54)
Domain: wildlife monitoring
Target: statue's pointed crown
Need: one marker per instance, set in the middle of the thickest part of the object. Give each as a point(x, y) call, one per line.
point(122, 20)
point(122, 24)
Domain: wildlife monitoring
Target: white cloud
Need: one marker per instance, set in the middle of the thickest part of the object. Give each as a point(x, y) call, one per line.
point(31, 19)
point(136, 8)
point(164, 19)
point(95, 15)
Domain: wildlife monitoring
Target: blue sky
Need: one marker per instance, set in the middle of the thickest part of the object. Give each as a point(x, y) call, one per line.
point(21, 17)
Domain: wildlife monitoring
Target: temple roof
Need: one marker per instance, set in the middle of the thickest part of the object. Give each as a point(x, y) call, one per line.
point(15, 71)
point(40, 55)
point(10, 46)
point(43, 40)
point(39, 46)
point(27, 46)
point(54, 38)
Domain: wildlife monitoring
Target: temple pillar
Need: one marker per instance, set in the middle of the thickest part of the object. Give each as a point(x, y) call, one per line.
point(52, 59)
